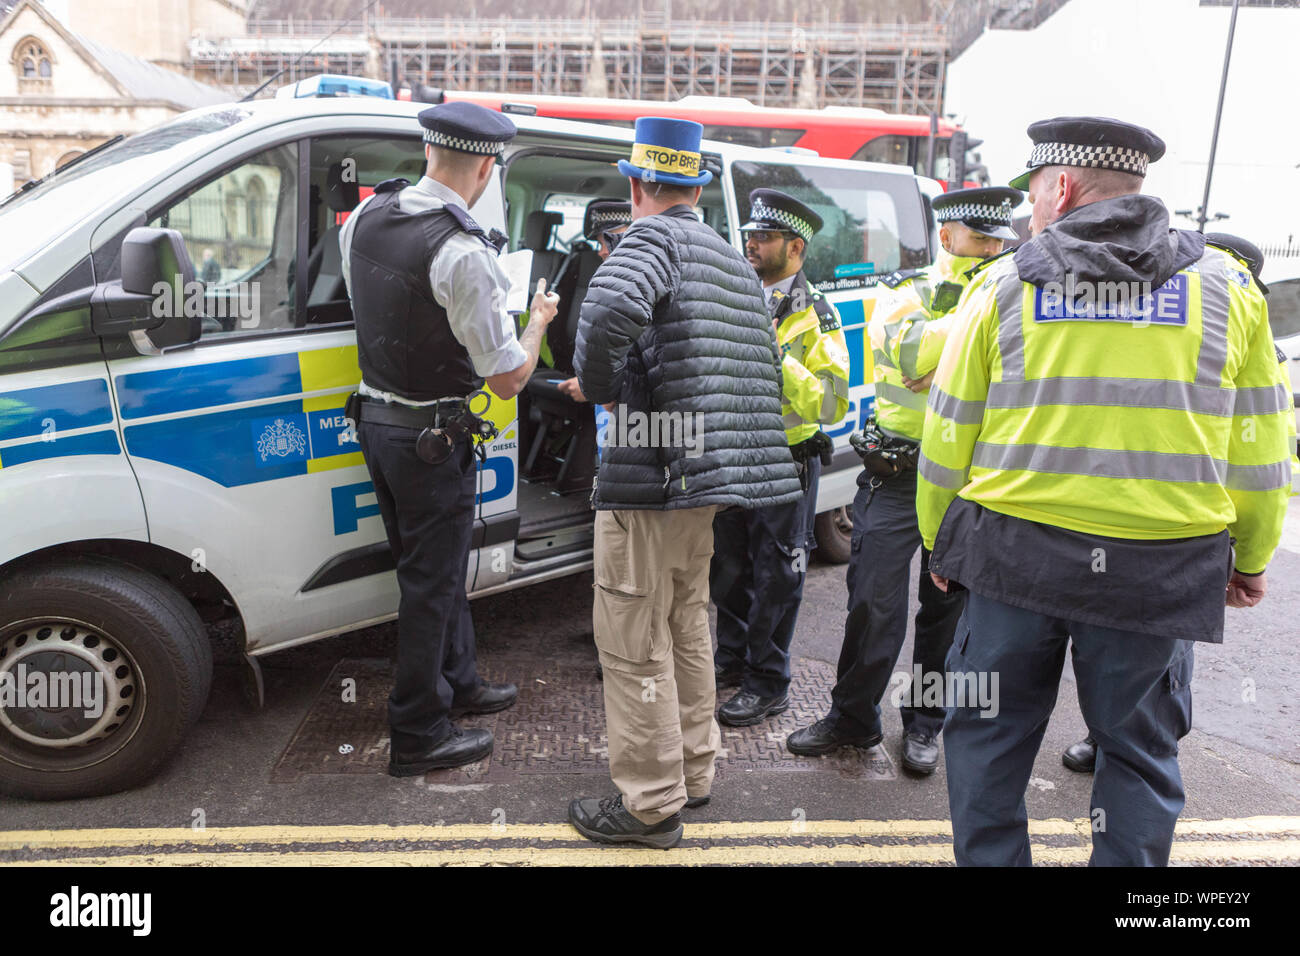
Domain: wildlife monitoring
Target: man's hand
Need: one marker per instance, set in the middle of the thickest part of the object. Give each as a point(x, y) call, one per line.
point(940, 583)
point(571, 388)
point(545, 305)
point(1245, 591)
point(919, 384)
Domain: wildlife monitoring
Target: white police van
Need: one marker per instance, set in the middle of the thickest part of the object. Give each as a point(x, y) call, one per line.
point(176, 347)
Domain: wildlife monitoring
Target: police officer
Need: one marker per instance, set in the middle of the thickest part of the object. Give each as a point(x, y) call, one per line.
point(603, 223)
point(907, 331)
point(1081, 757)
point(1107, 416)
point(428, 296)
point(761, 555)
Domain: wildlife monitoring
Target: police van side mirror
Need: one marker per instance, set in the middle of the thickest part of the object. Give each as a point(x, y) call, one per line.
point(157, 273)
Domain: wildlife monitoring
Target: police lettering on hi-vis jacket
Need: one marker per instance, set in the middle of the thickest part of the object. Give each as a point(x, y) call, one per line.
point(907, 332)
point(760, 556)
point(429, 299)
point(1108, 417)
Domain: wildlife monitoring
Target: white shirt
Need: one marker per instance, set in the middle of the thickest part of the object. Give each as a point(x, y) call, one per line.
point(783, 286)
point(466, 279)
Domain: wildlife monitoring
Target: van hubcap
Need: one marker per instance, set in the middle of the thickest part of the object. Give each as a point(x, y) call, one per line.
point(64, 684)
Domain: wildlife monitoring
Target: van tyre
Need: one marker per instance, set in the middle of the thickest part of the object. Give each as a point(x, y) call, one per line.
point(834, 533)
point(114, 626)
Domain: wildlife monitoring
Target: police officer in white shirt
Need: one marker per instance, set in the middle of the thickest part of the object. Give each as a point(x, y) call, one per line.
point(428, 296)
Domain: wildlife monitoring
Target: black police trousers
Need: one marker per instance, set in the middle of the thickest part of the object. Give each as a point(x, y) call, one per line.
point(428, 513)
point(885, 537)
point(760, 557)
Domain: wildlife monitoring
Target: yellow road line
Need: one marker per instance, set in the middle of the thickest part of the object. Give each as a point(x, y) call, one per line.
point(473, 832)
point(1272, 851)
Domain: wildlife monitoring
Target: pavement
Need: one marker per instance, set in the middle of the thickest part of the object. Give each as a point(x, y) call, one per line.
point(302, 779)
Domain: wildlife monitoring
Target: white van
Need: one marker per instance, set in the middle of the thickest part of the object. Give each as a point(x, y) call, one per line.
point(170, 459)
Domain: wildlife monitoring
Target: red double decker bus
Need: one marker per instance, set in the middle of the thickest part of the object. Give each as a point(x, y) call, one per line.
point(840, 132)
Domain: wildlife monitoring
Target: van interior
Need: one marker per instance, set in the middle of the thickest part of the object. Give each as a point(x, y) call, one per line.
point(546, 193)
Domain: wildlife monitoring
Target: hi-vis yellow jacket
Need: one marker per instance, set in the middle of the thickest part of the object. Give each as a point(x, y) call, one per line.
point(1173, 426)
point(814, 361)
point(907, 332)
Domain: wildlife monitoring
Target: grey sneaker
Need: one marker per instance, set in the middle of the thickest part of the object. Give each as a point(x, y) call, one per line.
point(606, 820)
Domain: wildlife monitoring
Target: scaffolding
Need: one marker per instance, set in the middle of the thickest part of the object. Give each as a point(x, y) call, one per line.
point(899, 68)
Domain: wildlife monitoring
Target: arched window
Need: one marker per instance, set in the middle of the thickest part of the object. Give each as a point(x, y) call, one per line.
point(32, 61)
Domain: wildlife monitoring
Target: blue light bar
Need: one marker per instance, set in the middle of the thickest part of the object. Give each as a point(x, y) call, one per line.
point(331, 84)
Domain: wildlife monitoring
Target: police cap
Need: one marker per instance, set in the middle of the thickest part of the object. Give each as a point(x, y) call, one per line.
point(1091, 141)
point(1243, 249)
point(986, 210)
point(467, 128)
point(775, 210)
point(605, 214)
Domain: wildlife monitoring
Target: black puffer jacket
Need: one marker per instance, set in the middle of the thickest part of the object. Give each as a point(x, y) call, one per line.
point(674, 323)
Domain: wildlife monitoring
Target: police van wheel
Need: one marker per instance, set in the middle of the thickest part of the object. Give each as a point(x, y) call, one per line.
point(132, 665)
point(834, 532)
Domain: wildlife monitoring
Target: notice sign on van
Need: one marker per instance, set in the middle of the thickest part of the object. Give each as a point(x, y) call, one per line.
point(852, 275)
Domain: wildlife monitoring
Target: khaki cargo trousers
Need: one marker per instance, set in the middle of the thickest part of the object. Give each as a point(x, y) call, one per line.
point(651, 622)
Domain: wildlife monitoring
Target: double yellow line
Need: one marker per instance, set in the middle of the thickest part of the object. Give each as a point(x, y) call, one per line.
point(1245, 840)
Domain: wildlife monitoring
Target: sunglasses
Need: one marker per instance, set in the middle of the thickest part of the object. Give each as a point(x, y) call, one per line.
point(764, 235)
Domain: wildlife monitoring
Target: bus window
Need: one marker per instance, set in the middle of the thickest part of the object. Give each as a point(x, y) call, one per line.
point(873, 223)
point(900, 150)
point(760, 136)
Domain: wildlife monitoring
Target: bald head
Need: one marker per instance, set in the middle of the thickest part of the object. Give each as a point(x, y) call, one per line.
point(1055, 190)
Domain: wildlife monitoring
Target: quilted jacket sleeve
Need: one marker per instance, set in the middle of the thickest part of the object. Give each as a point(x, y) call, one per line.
point(641, 272)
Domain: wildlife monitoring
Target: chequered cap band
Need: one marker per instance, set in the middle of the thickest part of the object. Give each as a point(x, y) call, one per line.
point(600, 218)
point(969, 210)
point(486, 147)
point(1123, 158)
point(789, 220)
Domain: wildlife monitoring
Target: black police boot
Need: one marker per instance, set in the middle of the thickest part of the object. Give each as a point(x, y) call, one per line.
point(694, 803)
point(728, 676)
point(606, 820)
point(920, 753)
point(823, 737)
point(747, 708)
point(461, 746)
point(487, 698)
point(1081, 757)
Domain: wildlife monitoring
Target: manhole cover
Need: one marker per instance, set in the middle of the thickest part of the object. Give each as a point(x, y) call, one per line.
point(557, 726)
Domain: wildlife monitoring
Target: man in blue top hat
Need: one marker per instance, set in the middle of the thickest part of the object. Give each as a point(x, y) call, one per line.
point(427, 294)
point(674, 335)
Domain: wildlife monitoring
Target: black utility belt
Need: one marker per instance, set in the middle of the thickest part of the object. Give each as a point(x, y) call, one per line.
point(408, 416)
point(442, 425)
point(884, 455)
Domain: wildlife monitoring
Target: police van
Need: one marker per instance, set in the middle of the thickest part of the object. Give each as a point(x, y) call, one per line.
point(176, 348)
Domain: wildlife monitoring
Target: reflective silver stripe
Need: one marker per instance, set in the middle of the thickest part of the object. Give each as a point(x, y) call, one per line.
point(959, 410)
point(1264, 400)
point(910, 348)
point(834, 388)
point(1214, 320)
point(792, 420)
point(1011, 334)
point(1131, 392)
point(901, 396)
point(936, 474)
point(1101, 462)
point(1259, 477)
point(883, 359)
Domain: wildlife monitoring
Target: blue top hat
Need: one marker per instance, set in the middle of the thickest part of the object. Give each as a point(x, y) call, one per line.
point(666, 151)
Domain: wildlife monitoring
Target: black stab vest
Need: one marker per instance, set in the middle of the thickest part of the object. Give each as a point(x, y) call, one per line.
point(404, 341)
